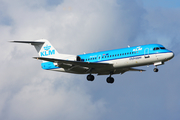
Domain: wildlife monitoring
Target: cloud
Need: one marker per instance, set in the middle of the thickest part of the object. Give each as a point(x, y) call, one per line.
point(42, 101)
point(74, 27)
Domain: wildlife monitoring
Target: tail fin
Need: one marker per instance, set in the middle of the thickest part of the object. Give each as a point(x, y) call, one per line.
point(43, 47)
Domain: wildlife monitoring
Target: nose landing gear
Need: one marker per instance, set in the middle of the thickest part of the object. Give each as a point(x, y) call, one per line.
point(155, 69)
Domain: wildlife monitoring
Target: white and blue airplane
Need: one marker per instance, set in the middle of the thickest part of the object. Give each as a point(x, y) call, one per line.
point(109, 62)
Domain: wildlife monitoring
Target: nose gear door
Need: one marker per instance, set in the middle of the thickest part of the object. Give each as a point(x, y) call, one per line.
point(146, 53)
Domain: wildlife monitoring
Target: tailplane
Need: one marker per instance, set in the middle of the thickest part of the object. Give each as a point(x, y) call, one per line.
point(43, 47)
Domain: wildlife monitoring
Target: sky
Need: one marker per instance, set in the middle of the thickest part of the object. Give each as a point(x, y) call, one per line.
point(76, 26)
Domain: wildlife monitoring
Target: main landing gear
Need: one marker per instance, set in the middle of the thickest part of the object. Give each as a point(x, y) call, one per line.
point(90, 77)
point(109, 79)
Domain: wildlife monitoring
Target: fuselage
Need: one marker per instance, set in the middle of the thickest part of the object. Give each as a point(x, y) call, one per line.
point(138, 54)
point(121, 59)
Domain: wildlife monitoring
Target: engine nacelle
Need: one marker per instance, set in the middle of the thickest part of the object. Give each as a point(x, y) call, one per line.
point(71, 58)
point(78, 58)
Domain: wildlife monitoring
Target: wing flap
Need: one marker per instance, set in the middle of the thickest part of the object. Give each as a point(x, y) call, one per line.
point(133, 69)
point(120, 71)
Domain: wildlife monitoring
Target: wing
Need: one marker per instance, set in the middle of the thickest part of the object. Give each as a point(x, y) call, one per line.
point(121, 71)
point(76, 63)
point(99, 68)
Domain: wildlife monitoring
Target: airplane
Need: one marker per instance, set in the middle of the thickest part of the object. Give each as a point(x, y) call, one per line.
point(117, 61)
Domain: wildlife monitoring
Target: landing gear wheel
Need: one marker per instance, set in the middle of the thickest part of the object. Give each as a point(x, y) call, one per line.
point(90, 77)
point(155, 70)
point(110, 80)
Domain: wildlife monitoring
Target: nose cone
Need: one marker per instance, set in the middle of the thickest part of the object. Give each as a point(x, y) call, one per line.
point(171, 55)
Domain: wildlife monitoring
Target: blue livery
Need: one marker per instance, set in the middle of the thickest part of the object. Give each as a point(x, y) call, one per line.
point(131, 52)
point(109, 62)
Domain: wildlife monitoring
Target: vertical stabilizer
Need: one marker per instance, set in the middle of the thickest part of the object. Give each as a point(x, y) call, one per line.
point(43, 47)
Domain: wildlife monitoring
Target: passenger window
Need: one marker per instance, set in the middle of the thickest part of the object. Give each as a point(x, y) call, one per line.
point(113, 55)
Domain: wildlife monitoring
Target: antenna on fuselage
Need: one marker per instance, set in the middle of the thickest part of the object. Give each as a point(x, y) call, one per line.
point(128, 46)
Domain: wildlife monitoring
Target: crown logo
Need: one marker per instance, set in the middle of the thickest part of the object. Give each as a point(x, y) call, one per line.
point(47, 47)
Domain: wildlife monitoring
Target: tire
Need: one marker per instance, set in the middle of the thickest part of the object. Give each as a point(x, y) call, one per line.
point(155, 70)
point(110, 80)
point(90, 77)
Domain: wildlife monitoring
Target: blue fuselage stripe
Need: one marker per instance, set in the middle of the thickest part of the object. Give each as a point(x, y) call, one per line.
point(129, 57)
point(123, 53)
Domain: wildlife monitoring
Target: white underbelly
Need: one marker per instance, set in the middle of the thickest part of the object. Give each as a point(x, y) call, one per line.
point(138, 60)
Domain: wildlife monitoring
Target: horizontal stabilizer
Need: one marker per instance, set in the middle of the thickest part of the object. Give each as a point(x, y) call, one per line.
point(30, 42)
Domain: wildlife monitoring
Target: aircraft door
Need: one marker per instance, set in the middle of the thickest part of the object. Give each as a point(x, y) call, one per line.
point(146, 53)
point(99, 57)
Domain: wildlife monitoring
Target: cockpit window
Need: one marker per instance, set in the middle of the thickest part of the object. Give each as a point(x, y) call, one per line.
point(163, 48)
point(156, 48)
